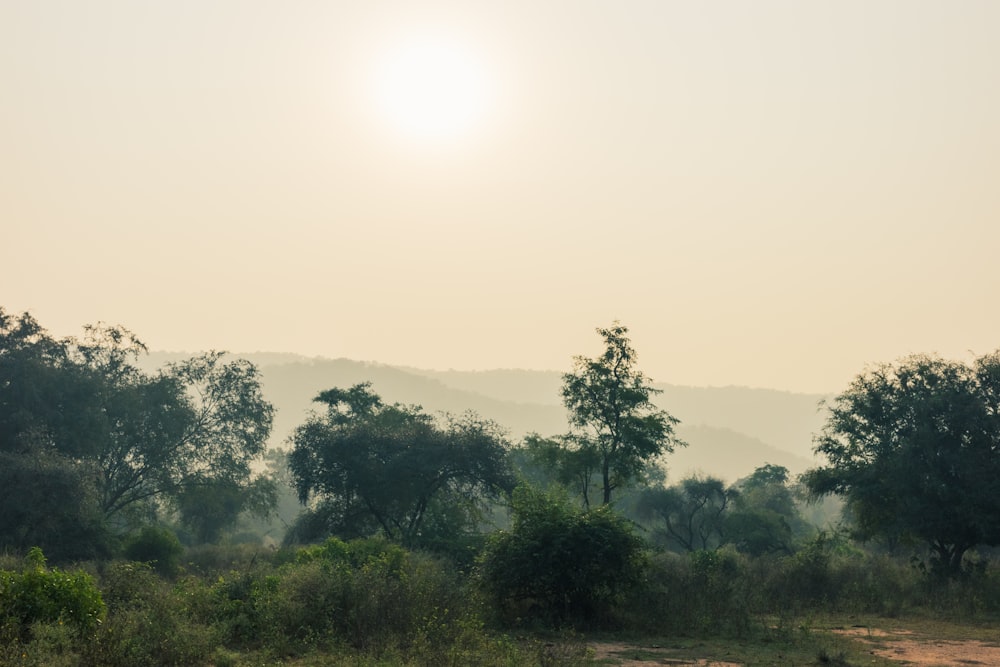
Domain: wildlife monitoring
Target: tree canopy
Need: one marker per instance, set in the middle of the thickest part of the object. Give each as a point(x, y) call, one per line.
point(613, 421)
point(375, 467)
point(757, 515)
point(914, 446)
point(81, 415)
point(690, 515)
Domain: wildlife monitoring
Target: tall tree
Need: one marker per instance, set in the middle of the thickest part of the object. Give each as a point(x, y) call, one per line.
point(914, 447)
point(612, 416)
point(376, 467)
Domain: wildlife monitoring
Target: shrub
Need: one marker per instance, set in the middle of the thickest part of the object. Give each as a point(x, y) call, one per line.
point(157, 546)
point(40, 595)
point(149, 623)
point(556, 565)
point(697, 593)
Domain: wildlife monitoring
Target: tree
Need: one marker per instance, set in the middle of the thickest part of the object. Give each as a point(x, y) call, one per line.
point(51, 500)
point(561, 463)
point(690, 515)
point(914, 447)
point(376, 467)
point(765, 519)
point(119, 441)
point(611, 414)
point(211, 506)
point(200, 421)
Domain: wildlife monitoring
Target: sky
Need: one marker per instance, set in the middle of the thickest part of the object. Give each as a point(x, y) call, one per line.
point(769, 194)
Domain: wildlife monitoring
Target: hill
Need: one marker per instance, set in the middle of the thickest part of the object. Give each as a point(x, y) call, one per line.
point(730, 430)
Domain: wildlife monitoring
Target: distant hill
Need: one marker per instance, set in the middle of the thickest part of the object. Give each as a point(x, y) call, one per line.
point(779, 418)
point(727, 454)
point(730, 430)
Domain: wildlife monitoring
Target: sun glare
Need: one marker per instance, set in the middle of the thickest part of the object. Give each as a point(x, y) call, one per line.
point(432, 90)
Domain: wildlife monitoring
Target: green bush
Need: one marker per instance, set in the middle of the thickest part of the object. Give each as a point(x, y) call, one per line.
point(356, 553)
point(215, 559)
point(704, 592)
point(368, 594)
point(157, 546)
point(37, 594)
point(149, 623)
point(556, 565)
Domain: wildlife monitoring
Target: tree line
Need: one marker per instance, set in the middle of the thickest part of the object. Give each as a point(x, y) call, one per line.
point(93, 449)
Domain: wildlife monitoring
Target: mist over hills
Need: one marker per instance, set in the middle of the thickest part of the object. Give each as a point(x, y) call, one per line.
point(729, 430)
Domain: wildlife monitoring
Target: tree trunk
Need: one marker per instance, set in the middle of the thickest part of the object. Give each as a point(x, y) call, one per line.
point(606, 473)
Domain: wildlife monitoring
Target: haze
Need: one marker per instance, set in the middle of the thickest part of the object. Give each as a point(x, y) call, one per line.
point(770, 194)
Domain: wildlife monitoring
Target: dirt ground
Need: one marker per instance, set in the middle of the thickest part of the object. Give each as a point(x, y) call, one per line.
point(903, 647)
point(899, 646)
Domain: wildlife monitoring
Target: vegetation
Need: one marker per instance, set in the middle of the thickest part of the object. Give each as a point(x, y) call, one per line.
point(560, 566)
point(376, 467)
point(617, 431)
point(915, 448)
point(101, 446)
point(137, 481)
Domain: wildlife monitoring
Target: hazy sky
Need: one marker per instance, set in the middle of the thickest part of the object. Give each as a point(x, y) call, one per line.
point(766, 193)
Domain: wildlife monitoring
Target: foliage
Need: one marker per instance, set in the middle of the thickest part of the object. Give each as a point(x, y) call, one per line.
point(149, 623)
point(558, 460)
point(612, 416)
point(765, 517)
point(38, 594)
point(915, 448)
point(210, 506)
point(757, 515)
point(79, 419)
point(156, 545)
point(50, 499)
point(557, 565)
point(689, 516)
point(370, 594)
point(381, 467)
point(217, 424)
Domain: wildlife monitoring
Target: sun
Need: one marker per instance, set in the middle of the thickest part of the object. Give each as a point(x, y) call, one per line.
point(432, 89)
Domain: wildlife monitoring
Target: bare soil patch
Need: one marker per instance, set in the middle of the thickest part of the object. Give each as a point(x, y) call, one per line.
point(907, 648)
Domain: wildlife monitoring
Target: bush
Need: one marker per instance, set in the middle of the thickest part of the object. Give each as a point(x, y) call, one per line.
point(39, 595)
point(157, 546)
point(214, 559)
point(149, 623)
point(368, 594)
point(556, 565)
point(697, 593)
